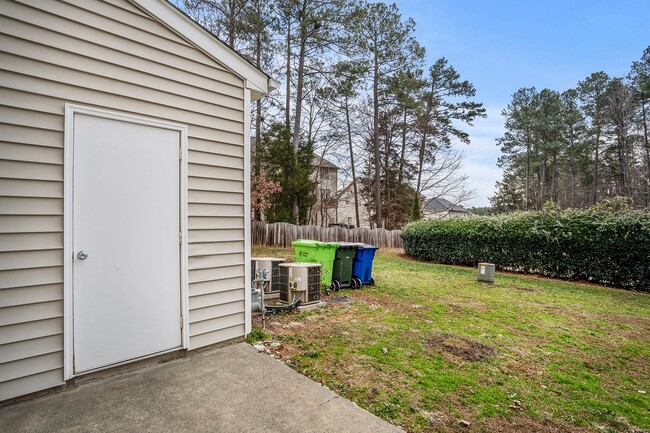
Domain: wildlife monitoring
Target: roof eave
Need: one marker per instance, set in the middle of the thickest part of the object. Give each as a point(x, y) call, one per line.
point(257, 93)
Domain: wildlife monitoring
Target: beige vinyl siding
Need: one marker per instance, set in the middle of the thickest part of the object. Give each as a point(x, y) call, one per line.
point(208, 223)
point(227, 328)
point(30, 366)
point(19, 296)
point(31, 383)
point(30, 188)
point(214, 287)
point(109, 55)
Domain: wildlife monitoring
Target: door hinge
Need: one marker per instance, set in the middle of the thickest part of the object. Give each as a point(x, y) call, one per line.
point(180, 153)
point(181, 322)
point(180, 238)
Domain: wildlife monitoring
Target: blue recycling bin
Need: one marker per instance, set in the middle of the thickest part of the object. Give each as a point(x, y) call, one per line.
point(362, 264)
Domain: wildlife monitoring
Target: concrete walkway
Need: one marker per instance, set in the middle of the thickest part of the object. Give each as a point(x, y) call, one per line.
point(232, 389)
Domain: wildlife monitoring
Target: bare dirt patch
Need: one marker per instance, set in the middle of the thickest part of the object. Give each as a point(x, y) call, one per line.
point(522, 289)
point(468, 306)
point(387, 302)
point(528, 424)
point(460, 346)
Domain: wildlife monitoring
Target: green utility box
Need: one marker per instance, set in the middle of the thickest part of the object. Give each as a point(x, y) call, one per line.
point(343, 261)
point(308, 251)
point(486, 272)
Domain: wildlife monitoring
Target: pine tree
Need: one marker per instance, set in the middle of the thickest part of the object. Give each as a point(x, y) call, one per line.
point(575, 164)
point(387, 45)
point(519, 137)
point(640, 80)
point(592, 93)
point(291, 173)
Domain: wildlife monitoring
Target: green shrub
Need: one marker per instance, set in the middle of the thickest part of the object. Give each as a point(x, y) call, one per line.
point(600, 245)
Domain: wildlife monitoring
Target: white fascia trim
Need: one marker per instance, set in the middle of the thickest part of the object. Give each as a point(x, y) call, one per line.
point(221, 53)
point(273, 85)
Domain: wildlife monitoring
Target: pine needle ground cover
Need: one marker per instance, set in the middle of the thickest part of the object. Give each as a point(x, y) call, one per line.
point(429, 348)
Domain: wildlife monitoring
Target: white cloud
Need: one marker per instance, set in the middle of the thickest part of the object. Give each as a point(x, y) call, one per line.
point(481, 178)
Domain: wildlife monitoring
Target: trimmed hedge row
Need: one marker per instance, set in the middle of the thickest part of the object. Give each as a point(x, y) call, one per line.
point(611, 248)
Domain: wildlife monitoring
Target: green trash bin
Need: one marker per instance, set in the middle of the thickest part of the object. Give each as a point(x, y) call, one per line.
point(308, 251)
point(343, 261)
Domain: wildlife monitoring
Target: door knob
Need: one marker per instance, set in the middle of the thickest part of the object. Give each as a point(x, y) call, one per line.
point(82, 255)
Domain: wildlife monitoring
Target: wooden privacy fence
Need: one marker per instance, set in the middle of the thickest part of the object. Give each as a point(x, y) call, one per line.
point(282, 234)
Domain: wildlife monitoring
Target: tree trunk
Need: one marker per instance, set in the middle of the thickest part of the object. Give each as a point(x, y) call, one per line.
point(402, 157)
point(573, 171)
point(553, 179)
point(287, 102)
point(423, 144)
point(418, 185)
point(542, 186)
point(573, 184)
point(622, 165)
point(231, 23)
point(298, 115)
point(527, 171)
point(354, 176)
point(387, 197)
point(594, 193)
point(647, 151)
point(323, 208)
point(375, 139)
point(258, 103)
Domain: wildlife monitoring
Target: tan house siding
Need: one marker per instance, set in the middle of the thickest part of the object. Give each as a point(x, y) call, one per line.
point(325, 178)
point(346, 210)
point(113, 56)
point(428, 215)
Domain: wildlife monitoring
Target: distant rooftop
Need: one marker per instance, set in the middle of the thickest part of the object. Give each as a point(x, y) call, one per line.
point(319, 161)
point(442, 204)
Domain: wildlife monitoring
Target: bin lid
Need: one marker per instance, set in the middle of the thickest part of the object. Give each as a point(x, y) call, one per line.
point(349, 244)
point(267, 259)
point(314, 244)
point(367, 247)
point(299, 265)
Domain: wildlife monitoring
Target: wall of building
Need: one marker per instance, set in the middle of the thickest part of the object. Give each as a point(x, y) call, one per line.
point(109, 55)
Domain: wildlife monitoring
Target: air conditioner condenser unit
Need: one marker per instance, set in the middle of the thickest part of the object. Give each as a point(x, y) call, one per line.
point(272, 282)
point(300, 280)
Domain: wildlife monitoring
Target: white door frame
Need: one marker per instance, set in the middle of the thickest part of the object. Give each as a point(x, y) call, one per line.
point(68, 211)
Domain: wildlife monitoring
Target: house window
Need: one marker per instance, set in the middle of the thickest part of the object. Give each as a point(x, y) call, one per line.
point(325, 193)
point(324, 174)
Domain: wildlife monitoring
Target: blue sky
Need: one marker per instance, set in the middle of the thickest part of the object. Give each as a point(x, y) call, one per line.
point(503, 45)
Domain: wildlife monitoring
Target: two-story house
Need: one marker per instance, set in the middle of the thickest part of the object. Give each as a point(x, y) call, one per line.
point(325, 177)
point(346, 212)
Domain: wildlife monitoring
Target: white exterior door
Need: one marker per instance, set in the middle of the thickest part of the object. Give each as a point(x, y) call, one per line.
point(126, 293)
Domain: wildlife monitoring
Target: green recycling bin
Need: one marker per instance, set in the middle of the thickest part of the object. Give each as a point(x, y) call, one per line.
point(308, 251)
point(343, 261)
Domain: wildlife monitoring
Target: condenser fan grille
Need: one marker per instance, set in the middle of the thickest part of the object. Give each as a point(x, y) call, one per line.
point(313, 285)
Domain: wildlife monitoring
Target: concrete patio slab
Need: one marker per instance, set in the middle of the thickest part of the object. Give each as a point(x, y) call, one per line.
point(231, 389)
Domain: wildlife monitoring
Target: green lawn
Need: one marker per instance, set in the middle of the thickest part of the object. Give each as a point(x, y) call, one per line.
point(429, 346)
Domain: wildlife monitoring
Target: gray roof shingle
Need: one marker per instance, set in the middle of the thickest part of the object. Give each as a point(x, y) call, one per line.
point(441, 204)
